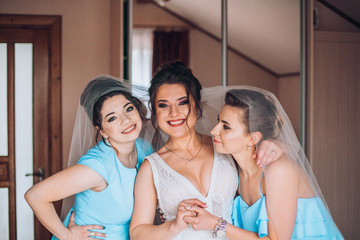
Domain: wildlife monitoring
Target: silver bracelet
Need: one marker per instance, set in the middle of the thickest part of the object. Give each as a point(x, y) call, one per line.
point(220, 228)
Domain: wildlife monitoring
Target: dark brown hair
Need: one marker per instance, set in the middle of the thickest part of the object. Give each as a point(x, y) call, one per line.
point(97, 120)
point(175, 72)
point(258, 112)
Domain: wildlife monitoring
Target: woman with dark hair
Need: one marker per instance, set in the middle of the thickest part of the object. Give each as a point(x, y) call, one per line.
point(280, 201)
point(185, 167)
point(103, 179)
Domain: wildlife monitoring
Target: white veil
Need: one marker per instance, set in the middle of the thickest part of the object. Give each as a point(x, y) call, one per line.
point(82, 140)
point(282, 131)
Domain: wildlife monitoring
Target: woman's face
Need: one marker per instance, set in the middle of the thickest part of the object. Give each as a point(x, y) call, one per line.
point(229, 135)
point(121, 122)
point(172, 110)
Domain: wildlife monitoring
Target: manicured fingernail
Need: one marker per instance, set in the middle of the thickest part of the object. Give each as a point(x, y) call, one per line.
point(104, 227)
point(187, 207)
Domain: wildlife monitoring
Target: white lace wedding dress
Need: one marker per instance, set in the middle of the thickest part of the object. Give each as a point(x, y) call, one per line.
point(172, 188)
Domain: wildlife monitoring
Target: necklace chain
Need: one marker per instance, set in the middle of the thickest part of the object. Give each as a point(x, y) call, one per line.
point(189, 160)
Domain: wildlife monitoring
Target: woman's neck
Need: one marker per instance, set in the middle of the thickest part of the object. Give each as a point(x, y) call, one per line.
point(189, 142)
point(246, 163)
point(126, 153)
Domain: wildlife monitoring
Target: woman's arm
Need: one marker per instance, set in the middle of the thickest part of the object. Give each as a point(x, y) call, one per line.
point(207, 221)
point(282, 185)
point(68, 182)
point(141, 226)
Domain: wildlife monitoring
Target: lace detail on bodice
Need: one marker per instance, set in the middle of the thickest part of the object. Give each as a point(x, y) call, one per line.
point(172, 188)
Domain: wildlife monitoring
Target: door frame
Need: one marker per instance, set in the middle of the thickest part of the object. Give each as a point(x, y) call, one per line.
point(53, 25)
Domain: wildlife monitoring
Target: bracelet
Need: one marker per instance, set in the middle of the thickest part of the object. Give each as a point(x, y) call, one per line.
point(220, 228)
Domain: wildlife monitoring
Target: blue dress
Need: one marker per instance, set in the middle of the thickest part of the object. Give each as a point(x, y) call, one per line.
point(112, 207)
point(313, 220)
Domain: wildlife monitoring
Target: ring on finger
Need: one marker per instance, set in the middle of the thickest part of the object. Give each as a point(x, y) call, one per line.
point(92, 234)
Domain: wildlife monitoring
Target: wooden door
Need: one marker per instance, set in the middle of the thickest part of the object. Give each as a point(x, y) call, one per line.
point(43, 33)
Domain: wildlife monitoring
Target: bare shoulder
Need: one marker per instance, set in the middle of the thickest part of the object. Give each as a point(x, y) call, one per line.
point(145, 168)
point(282, 176)
point(283, 167)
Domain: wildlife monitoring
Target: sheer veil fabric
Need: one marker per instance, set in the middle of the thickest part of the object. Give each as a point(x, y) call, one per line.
point(280, 125)
point(84, 132)
point(82, 140)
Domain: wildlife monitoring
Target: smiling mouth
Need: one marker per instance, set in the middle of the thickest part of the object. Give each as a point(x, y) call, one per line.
point(129, 129)
point(216, 141)
point(176, 123)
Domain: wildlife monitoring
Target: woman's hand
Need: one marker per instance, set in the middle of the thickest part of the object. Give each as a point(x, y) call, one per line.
point(269, 152)
point(83, 232)
point(183, 212)
point(202, 220)
point(198, 217)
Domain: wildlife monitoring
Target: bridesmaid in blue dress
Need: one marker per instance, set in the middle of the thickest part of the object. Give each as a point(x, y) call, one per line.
point(279, 201)
point(103, 179)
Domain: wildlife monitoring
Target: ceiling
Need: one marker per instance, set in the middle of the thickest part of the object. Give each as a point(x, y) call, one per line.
point(349, 7)
point(267, 32)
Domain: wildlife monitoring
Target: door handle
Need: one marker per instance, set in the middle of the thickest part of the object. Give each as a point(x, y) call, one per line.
point(39, 174)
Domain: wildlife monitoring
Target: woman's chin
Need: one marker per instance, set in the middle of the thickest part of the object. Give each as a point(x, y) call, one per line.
point(220, 150)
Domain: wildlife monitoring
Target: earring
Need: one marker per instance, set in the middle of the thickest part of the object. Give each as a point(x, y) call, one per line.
point(249, 147)
point(107, 141)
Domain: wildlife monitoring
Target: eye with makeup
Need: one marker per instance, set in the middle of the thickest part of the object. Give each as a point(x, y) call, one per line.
point(226, 127)
point(112, 118)
point(130, 108)
point(162, 105)
point(184, 102)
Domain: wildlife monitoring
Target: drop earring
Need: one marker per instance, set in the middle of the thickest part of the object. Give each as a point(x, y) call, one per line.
point(107, 141)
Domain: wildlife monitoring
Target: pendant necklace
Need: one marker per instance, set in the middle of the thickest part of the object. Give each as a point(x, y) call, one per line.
point(189, 160)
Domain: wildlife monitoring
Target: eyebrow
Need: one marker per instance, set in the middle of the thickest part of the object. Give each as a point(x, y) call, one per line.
point(226, 122)
point(126, 104)
point(114, 112)
point(179, 99)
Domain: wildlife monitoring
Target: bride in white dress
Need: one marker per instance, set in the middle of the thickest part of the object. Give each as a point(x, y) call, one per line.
point(186, 167)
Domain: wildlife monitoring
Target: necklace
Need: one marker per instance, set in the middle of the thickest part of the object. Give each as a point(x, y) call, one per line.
point(189, 160)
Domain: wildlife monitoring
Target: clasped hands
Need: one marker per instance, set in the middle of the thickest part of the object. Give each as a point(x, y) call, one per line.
point(193, 212)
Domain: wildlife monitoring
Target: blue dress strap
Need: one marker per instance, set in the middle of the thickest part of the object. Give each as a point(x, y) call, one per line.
point(262, 175)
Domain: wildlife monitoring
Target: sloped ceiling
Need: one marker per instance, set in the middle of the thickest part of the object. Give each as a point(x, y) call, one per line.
point(349, 7)
point(267, 32)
